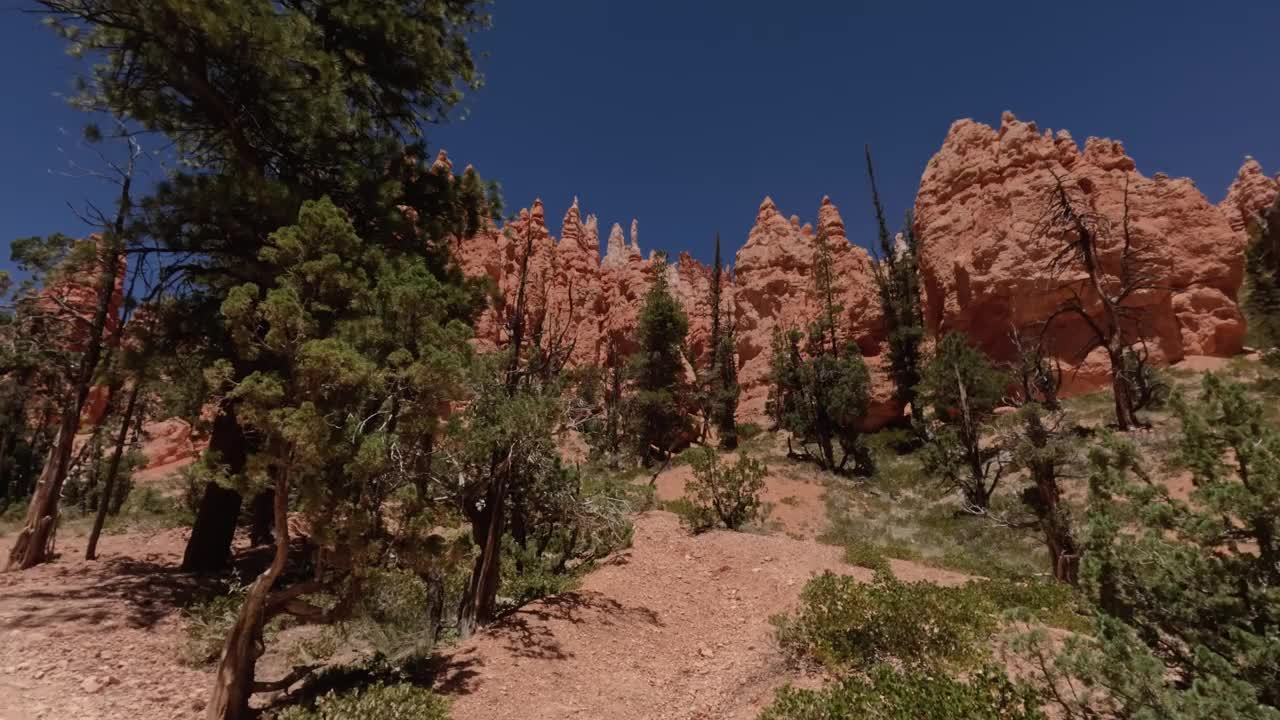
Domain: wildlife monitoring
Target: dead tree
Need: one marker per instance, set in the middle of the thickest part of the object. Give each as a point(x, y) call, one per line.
point(1084, 235)
point(1041, 444)
point(34, 542)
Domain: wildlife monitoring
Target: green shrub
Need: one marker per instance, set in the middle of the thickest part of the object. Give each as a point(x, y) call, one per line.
point(847, 625)
point(748, 431)
point(887, 694)
point(1051, 603)
point(728, 494)
point(867, 555)
point(207, 624)
point(376, 702)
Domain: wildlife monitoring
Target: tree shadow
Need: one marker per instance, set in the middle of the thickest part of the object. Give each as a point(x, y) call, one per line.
point(530, 633)
point(92, 593)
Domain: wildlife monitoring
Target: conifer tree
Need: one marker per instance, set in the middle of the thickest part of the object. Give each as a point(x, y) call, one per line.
point(720, 383)
point(1183, 590)
point(1262, 265)
point(896, 272)
point(269, 105)
point(962, 389)
point(820, 384)
point(360, 351)
point(656, 411)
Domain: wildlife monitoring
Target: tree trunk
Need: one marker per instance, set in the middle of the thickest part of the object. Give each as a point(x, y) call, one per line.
point(1125, 418)
point(109, 484)
point(233, 683)
point(35, 542)
point(210, 544)
point(487, 526)
point(261, 510)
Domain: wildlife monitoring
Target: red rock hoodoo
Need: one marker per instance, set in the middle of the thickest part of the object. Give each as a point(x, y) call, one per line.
point(983, 269)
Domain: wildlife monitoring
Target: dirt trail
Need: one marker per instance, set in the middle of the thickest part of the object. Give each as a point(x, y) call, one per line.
point(677, 627)
point(98, 640)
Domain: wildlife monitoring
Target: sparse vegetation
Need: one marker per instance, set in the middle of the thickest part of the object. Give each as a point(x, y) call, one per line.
point(727, 494)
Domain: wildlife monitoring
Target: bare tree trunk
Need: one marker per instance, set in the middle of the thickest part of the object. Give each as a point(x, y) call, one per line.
point(209, 546)
point(1120, 390)
point(261, 510)
point(234, 681)
point(487, 526)
point(109, 484)
point(35, 542)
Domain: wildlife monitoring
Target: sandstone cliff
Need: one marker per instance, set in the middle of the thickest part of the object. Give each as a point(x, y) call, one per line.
point(985, 262)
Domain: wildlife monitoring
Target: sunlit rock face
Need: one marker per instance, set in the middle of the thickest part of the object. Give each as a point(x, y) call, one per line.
point(985, 264)
point(986, 260)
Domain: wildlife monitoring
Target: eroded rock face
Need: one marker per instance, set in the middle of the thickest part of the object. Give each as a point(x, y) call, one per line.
point(773, 286)
point(986, 259)
point(770, 289)
point(1250, 193)
point(985, 263)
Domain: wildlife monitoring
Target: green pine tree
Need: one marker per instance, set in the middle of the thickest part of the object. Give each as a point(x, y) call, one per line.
point(962, 390)
point(820, 385)
point(656, 411)
point(1262, 267)
point(1185, 591)
point(897, 277)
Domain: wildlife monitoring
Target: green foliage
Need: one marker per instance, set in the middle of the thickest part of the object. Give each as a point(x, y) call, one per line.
point(720, 379)
point(889, 694)
point(656, 412)
point(401, 701)
point(820, 398)
point(206, 624)
point(1185, 590)
point(1262, 268)
point(897, 278)
point(728, 494)
point(820, 393)
point(847, 625)
point(962, 389)
point(866, 554)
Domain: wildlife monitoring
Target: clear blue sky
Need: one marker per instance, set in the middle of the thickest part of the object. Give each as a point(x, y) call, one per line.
point(686, 114)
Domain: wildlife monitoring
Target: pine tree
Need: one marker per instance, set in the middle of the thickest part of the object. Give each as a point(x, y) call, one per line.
point(656, 411)
point(1262, 265)
point(720, 383)
point(897, 278)
point(359, 352)
point(1183, 590)
point(820, 385)
point(268, 106)
point(962, 389)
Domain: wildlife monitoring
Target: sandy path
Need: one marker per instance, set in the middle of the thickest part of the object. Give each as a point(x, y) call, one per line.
point(98, 641)
point(677, 627)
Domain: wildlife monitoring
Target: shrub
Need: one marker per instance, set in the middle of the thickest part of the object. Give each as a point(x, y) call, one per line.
point(729, 494)
point(749, 430)
point(376, 702)
point(887, 694)
point(1051, 603)
point(867, 555)
point(847, 625)
point(207, 624)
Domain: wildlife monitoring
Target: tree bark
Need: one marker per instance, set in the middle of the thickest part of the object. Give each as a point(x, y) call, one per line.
point(109, 484)
point(233, 683)
point(261, 510)
point(487, 526)
point(209, 547)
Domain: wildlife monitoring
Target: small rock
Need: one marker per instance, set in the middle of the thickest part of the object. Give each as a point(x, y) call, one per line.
point(92, 685)
point(706, 652)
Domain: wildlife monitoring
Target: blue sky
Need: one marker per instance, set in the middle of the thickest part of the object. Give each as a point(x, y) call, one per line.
point(686, 114)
